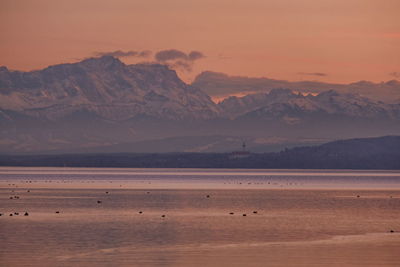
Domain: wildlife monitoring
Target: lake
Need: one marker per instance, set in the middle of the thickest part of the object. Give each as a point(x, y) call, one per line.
point(198, 217)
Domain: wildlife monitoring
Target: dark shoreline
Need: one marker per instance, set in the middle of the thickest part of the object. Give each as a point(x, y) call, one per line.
point(281, 160)
point(380, 153)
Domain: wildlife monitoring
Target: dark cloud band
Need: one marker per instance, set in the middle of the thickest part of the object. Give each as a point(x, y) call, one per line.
point(173, 54)
point(120, 53)
point(174, 58)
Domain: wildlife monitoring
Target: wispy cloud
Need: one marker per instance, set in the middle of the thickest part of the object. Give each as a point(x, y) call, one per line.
point(120, 53)
point(321, 74)
point(178, 59)
point(395, 74)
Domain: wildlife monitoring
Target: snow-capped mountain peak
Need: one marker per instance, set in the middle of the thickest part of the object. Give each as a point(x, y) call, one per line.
point(282, 101)
point(104, 86)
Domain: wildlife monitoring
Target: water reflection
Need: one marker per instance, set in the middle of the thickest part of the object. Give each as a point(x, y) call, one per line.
point(294, 224)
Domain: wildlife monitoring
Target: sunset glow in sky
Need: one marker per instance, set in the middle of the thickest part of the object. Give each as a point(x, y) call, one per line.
point(327, 40)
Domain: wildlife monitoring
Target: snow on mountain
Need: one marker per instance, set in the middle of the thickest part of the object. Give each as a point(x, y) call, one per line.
point(220, 85)
point(284, 102)
point(106, 87)
point(110, 89)
point(354, 105)
point(102, 102)
point(234, 106)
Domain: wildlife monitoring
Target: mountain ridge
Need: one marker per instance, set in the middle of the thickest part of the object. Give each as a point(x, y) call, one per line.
point(105, 86)
point(221, 85)
point(104, 103)
point(329, 102)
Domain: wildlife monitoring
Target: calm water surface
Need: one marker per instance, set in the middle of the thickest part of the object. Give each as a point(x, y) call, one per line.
point(293, 218)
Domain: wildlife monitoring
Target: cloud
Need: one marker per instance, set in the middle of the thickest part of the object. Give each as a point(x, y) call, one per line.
point(177, 59)
point(166, 55)
point(195, 55)
point(119, 53)
point(321, 74)
point(395, 74)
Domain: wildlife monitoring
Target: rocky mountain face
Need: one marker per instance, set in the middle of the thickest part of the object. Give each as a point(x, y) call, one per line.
point(105, 87)
point(102, 104)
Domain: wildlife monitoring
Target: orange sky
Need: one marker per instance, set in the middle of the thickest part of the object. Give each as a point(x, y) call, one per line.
point(349, 40)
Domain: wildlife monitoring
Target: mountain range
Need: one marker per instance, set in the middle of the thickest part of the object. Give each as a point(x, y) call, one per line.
point(220, 85)
point(104, 105)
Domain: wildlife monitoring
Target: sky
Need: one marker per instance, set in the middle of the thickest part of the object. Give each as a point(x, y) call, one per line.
point(337, 41)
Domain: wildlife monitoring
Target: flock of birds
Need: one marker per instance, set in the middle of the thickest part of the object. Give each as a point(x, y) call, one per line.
point(255, 212)
point(98, 202)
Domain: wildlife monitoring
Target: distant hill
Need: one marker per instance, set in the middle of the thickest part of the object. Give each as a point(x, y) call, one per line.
point(363, 153)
